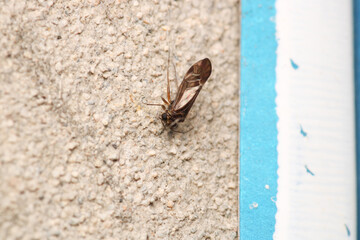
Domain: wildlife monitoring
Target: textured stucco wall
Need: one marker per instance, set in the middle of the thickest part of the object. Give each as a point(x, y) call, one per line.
point(79, 153)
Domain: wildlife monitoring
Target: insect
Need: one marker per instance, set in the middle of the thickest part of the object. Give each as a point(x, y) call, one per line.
point(176, 110)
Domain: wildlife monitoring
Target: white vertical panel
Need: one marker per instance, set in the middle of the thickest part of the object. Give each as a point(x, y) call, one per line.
point(316, 187)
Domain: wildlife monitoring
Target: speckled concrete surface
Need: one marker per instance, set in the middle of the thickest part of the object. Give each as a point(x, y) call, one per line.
point(80, 154)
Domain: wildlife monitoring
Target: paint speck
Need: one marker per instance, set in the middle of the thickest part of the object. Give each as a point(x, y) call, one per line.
point(253, 205)
point(347, 230)
point(302, 131)
point(273, 199)
point(267, 187)
point(294, 65)
point(309, 171)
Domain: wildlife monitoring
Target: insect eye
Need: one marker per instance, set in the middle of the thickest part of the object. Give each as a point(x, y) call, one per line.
point(164, 116)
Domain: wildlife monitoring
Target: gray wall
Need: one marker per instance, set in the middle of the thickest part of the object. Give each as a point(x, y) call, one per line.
point(80, 155)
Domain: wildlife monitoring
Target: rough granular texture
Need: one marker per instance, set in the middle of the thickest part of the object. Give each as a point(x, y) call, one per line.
point(81, 155)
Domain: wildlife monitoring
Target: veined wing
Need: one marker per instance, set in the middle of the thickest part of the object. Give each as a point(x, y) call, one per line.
point(190, 87)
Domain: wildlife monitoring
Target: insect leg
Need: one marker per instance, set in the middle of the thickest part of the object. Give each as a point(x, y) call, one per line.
point(166, 102)
point(172, 128)
point(163, 129)
point(182, 131)
point(174, 124)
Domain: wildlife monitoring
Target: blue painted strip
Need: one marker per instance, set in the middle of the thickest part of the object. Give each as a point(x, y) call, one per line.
point(357, 101)
point(258, 119)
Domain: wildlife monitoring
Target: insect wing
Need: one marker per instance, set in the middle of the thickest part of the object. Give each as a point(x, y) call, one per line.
point(190, 87)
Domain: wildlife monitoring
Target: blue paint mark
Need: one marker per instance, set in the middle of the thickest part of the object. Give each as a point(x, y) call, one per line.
point(309, 171)
point(258, 119)
point(347, 230)
point(302, 131)
point(357, 100)
point(294, 65)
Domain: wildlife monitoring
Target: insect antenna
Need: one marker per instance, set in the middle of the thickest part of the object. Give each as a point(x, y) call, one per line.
point(170, 55)
point(176, 76)
point(166, 102)
point(168, 79)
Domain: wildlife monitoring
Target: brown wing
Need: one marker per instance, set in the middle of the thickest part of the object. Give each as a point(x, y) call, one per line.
point(190, 87)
